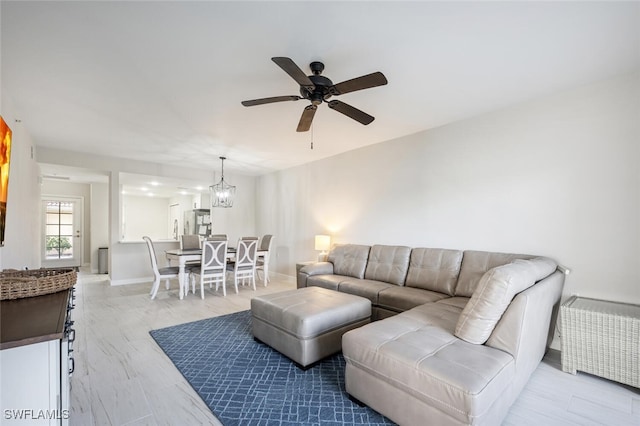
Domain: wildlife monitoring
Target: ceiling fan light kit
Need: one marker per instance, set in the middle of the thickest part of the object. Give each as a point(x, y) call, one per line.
point(317, 89)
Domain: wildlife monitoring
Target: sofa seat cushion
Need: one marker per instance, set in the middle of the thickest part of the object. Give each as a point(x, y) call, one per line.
point(402, 299)
point(364, 288)
point(417, 352)
point(329, 281)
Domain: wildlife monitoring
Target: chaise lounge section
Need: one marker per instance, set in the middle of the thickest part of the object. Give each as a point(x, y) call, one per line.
point(460, 331)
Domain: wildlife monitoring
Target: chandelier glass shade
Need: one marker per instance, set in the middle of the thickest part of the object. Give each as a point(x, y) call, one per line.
point(222, 194)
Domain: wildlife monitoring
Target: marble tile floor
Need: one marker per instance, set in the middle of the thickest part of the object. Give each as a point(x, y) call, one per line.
point(123, 378)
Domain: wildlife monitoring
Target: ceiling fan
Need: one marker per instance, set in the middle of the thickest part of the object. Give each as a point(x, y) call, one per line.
point(318, 88)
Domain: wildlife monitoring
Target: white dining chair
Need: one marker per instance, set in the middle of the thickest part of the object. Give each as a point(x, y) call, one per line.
point(166, 273)
point(212, 268)
point(262, 261)
point(244, 266)
point(190, 242)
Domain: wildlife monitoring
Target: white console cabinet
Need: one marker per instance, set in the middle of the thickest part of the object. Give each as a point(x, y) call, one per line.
point(30, 391)
point(36, 362)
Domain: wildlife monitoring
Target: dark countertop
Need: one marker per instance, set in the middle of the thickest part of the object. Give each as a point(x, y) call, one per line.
point(32, 319)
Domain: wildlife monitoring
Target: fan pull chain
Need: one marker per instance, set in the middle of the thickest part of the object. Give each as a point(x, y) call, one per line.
point(312, 136)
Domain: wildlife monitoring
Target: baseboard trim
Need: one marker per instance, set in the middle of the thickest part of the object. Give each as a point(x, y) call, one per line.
point(283, 277)
point(127, 281)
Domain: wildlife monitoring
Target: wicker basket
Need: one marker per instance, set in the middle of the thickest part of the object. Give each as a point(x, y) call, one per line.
point(16, 284)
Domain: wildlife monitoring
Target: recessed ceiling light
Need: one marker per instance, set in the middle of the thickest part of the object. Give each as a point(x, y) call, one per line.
point(154, 183)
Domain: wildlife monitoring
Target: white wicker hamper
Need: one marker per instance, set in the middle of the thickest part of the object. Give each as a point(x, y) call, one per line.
point(601, 338)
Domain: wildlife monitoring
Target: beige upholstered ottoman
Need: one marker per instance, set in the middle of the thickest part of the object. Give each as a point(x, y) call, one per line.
point(307, 324)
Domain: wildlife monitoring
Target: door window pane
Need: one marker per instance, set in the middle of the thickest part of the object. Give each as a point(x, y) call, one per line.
point(59, 230)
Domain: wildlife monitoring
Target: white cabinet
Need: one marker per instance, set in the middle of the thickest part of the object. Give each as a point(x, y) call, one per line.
point(31, 385)
point(201, 201)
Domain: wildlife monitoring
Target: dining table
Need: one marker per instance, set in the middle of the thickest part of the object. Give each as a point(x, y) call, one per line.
point(182, 256)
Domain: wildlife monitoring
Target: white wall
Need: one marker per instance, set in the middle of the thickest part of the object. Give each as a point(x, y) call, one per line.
point(22, 234)
point(145, 216)
point(558, 176)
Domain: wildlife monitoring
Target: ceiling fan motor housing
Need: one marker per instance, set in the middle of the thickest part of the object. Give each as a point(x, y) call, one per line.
point(321, 83)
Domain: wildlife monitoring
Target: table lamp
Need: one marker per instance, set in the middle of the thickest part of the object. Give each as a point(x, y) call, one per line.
point(323, 243)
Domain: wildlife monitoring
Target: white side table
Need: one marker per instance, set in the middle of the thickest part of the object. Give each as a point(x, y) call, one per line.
point(601, 338)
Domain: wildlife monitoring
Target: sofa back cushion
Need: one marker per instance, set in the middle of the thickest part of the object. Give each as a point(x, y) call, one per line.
point(349, 259)
point(494, 294)
point(434, 269)
point(475, 264)
point(388, 264)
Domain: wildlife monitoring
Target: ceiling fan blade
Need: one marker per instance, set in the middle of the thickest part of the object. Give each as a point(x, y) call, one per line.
point(295, 72)
point(263, 101)
point(365, 82)
point(351, 112)
point(307, 118)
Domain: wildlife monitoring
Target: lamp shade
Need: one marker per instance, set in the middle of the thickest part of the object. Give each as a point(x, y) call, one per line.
point(323, 242)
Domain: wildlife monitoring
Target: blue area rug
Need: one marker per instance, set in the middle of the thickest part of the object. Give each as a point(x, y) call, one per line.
point(248, 383)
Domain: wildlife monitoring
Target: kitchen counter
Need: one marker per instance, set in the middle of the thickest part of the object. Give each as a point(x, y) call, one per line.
point(32, 319)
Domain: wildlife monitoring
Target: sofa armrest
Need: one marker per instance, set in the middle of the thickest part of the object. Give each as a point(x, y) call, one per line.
point(319, 268)
point(526, 328)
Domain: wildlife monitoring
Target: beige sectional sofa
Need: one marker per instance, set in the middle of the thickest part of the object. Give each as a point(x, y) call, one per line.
point(460, 331)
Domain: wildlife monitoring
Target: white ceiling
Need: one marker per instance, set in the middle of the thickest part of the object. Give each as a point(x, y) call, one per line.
point(163, 81)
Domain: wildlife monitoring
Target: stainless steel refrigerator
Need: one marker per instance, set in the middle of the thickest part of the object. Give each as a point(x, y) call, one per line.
point(197, 221)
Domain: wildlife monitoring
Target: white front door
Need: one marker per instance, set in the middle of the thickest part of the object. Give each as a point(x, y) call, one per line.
point(62, 232)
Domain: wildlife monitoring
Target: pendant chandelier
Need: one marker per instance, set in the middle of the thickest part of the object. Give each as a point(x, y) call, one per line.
point(222, 194)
